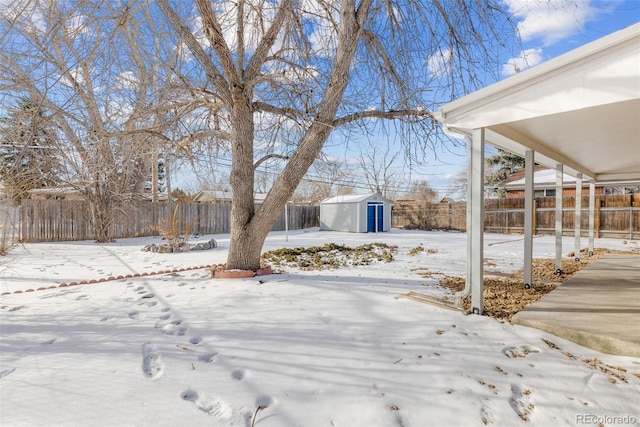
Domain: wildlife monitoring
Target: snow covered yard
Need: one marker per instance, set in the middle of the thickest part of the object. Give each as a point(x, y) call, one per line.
point(303, 348)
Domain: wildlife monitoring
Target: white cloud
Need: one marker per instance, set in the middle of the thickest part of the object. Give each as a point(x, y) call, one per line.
point(323, 20)
point(551, 20)
point(77, 25)
point(29, 14)
point(127, 80)
point(439, 64)
point(527, 59)
point(324, 40)
point(75, 76)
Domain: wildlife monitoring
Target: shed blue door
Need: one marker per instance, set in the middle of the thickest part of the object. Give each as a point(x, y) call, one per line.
point(372, 207)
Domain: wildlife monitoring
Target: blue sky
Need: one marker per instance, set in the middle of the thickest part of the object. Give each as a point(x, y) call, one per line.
point(548, 28)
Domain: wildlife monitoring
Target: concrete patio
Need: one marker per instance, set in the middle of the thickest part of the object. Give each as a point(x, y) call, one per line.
point(599, 307)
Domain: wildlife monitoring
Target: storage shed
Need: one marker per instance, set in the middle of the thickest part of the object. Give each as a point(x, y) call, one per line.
point(357, 213)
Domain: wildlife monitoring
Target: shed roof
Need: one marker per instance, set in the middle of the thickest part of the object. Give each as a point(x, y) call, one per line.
point(220, 195)
point(542, 176)
point(350, 198)
point(580, 109)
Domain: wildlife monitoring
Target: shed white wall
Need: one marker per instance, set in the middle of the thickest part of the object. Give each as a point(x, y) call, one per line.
point(352, 215)
point(341, 217)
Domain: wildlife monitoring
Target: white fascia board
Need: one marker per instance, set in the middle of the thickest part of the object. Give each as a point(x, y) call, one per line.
point(618, 179)
point(579, 72)
point(544, 156)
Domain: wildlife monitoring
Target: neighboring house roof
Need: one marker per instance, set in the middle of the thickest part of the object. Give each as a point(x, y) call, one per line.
point(222, 196)
point(542, 177)
point(351, 198)
point(54, 192)
point(72, 193)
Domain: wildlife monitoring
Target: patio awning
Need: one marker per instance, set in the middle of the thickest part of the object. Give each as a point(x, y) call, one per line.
point(579, 113)
point(581, 109)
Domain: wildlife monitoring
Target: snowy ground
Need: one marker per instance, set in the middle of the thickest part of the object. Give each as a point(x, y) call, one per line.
point(304, 348)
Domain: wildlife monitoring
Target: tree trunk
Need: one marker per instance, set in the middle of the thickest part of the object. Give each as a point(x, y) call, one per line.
point(244, 249)
point(100, 216)
point(249, 229)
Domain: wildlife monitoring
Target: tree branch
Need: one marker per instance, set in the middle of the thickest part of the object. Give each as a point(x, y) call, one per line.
point(213, 32)
point(391, 114)
point(290, 113)
point(267, 157)
point(266, 43)
point(185, 34)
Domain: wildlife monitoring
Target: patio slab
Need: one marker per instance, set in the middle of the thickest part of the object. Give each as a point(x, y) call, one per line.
point(599, 307)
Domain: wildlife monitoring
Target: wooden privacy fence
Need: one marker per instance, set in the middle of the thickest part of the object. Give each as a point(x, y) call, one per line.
point(615, 216)
point(9, 226)
point(62, 220)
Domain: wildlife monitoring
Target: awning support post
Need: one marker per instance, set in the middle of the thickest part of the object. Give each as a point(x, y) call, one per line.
point(475, 221)
point(592, 210)
point(578, 218)
point(559, 179)
point(528, 216)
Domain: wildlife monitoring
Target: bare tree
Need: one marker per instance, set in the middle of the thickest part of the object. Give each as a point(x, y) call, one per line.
point(28, 159)
point(378, 170)
point(281, 76)
point(82, 63)
point(422, 192)
point(335, 173)
point(325, 178)
point(459, 185)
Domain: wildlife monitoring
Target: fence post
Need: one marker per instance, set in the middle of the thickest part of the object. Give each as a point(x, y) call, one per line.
point(597, 218)
point(631, 216)
point(534, 225)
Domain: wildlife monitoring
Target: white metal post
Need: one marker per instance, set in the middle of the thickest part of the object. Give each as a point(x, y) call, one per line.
point(559, 179)
point(375, 215)
point(286, 222)
point(578, 218)
point(528, 216)
point(592, 214)
point(475, 221)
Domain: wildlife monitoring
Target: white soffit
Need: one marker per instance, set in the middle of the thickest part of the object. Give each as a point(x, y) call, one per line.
point(581, 109)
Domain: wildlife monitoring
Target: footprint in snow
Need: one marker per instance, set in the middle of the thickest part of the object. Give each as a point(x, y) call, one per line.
point(265, 401)
point(214, 407)
point(238, 374)
point(522, 401)
point(49, 342)
point(135, 315)
point(519, 351)
point(6, 372)
point(152, 366)
point(105, 318)
point(207, 357)
point(195, 340)
point(487, 415)
point(173, 330)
